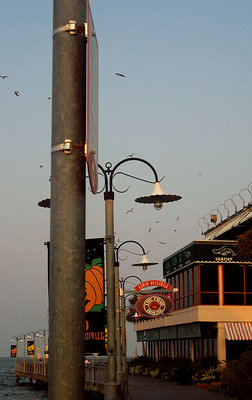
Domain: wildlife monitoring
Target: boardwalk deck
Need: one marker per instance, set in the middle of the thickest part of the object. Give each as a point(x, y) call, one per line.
point(96, 376)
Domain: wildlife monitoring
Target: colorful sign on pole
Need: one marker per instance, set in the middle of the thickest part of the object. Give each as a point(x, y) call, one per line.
point(13, 352)
point(30, 347)
point(94, 297)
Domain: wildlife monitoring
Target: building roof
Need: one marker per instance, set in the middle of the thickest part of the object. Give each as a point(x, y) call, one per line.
point(233, 226)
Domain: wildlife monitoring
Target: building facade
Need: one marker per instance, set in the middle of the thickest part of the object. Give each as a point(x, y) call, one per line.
point(212, 314)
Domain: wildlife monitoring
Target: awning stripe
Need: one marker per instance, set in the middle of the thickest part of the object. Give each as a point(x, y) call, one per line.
point(238, 330)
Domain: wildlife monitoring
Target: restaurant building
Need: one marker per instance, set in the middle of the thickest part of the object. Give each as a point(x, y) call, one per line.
point(212, 314)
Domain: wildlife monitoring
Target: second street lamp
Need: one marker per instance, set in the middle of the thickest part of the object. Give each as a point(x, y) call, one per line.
point(157, 198)
point(145, 263)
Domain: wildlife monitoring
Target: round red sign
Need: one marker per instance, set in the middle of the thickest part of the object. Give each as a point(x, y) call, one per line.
point(154, 306)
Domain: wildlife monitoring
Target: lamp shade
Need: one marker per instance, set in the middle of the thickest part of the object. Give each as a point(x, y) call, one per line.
point(158, 197)
point(144, 263)
point(46, 203)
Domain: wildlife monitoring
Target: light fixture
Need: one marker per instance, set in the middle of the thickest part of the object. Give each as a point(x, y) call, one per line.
point(46, 203)
point(144, 263)
point(158, 197)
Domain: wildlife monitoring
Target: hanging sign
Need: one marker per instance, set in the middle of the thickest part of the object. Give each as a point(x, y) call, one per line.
point(153, 282)
point(30, 347)
point(13, 350)
point(154, 306)
point(95, 314)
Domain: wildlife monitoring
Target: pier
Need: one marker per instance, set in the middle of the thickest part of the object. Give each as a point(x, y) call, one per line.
point(96, 375)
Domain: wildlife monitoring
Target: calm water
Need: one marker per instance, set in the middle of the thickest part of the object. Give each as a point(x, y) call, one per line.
point(8, 387)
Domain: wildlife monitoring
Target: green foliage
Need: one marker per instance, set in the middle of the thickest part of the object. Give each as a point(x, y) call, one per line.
point(207, 376)
point(236, 377)
point(155, 373)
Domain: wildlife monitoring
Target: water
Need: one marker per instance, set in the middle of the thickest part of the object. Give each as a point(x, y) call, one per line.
point(8, 387)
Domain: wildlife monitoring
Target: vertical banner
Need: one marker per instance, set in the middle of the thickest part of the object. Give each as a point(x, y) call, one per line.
point(13, 352)
point(94, 297)
point(30, 347)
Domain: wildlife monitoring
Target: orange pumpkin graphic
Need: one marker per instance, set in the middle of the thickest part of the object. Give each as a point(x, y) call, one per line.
point(94, 291)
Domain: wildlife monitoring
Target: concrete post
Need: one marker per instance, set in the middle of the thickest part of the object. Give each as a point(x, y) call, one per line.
point(111, 387)
point(67, 240)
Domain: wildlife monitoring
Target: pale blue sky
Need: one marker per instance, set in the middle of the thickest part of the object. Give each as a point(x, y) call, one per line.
point(184, 105)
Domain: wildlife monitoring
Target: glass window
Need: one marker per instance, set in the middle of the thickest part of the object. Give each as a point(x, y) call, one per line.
point(185, 283)
point(195, 279)
point(209, 298)
point(181, 284)
point(190, 301)
point(190, 282)
point(233, 278)
point(248, 279)
point(209, 278)
point(233, 298)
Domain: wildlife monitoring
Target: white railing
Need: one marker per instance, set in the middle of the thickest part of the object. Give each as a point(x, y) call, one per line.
point(39, 370)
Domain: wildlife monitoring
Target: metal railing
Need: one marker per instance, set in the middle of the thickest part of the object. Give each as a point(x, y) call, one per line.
point(96, 375)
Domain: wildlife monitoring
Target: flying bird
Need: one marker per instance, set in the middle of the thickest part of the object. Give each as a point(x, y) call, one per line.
point(130, 211)
point(157, 222)
point(41, 166)
point(3, 76)
point(118, 74)
point(177, 218)
point(150, 229)
point(16, 92)
point(48, 98)
point(161, 242)
point(130, 155)
point(175, 230)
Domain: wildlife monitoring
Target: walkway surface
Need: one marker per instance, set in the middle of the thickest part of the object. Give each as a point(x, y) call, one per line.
point(145, 388)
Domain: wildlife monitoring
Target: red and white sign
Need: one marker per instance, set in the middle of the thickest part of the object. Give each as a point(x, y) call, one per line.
point(154, 306)
point(153, 282)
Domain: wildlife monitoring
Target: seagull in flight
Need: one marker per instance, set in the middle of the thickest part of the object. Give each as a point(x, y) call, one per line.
point(130, 211)
point(130, 155)
point(3, 76)
point(161, 242)
point(150, 229)
point(16, 92)
point(119, 74)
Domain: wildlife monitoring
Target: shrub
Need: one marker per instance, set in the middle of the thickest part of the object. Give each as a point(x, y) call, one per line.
point(236, 377)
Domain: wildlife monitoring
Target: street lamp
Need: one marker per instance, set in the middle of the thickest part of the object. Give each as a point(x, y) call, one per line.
point(124, 336)
point(157, 198)
point(34, 351)
point(39, 334)
point(145, 263)
point(21, 338)
point(12, 340)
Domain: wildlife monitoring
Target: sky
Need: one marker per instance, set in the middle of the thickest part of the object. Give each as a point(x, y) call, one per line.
point(184, 105)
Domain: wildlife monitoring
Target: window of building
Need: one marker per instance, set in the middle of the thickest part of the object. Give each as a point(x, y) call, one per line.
point(236, 284)
point(195, 285)
point(209, 284)
point(233, 278)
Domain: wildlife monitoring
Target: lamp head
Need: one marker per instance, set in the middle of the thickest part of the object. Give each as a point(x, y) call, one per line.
point(158, 197)
point(46, 203)
point(144, 263)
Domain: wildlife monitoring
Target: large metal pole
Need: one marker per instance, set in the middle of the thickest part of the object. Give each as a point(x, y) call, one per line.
point(110, 393)
point(124, 347)
point(67, 241)
point(118, 328)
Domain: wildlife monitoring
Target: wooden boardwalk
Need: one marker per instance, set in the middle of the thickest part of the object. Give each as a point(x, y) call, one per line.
point(96, 376)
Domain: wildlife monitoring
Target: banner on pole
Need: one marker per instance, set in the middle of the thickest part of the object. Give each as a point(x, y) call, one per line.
point(13, 352)
point(94, 297)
